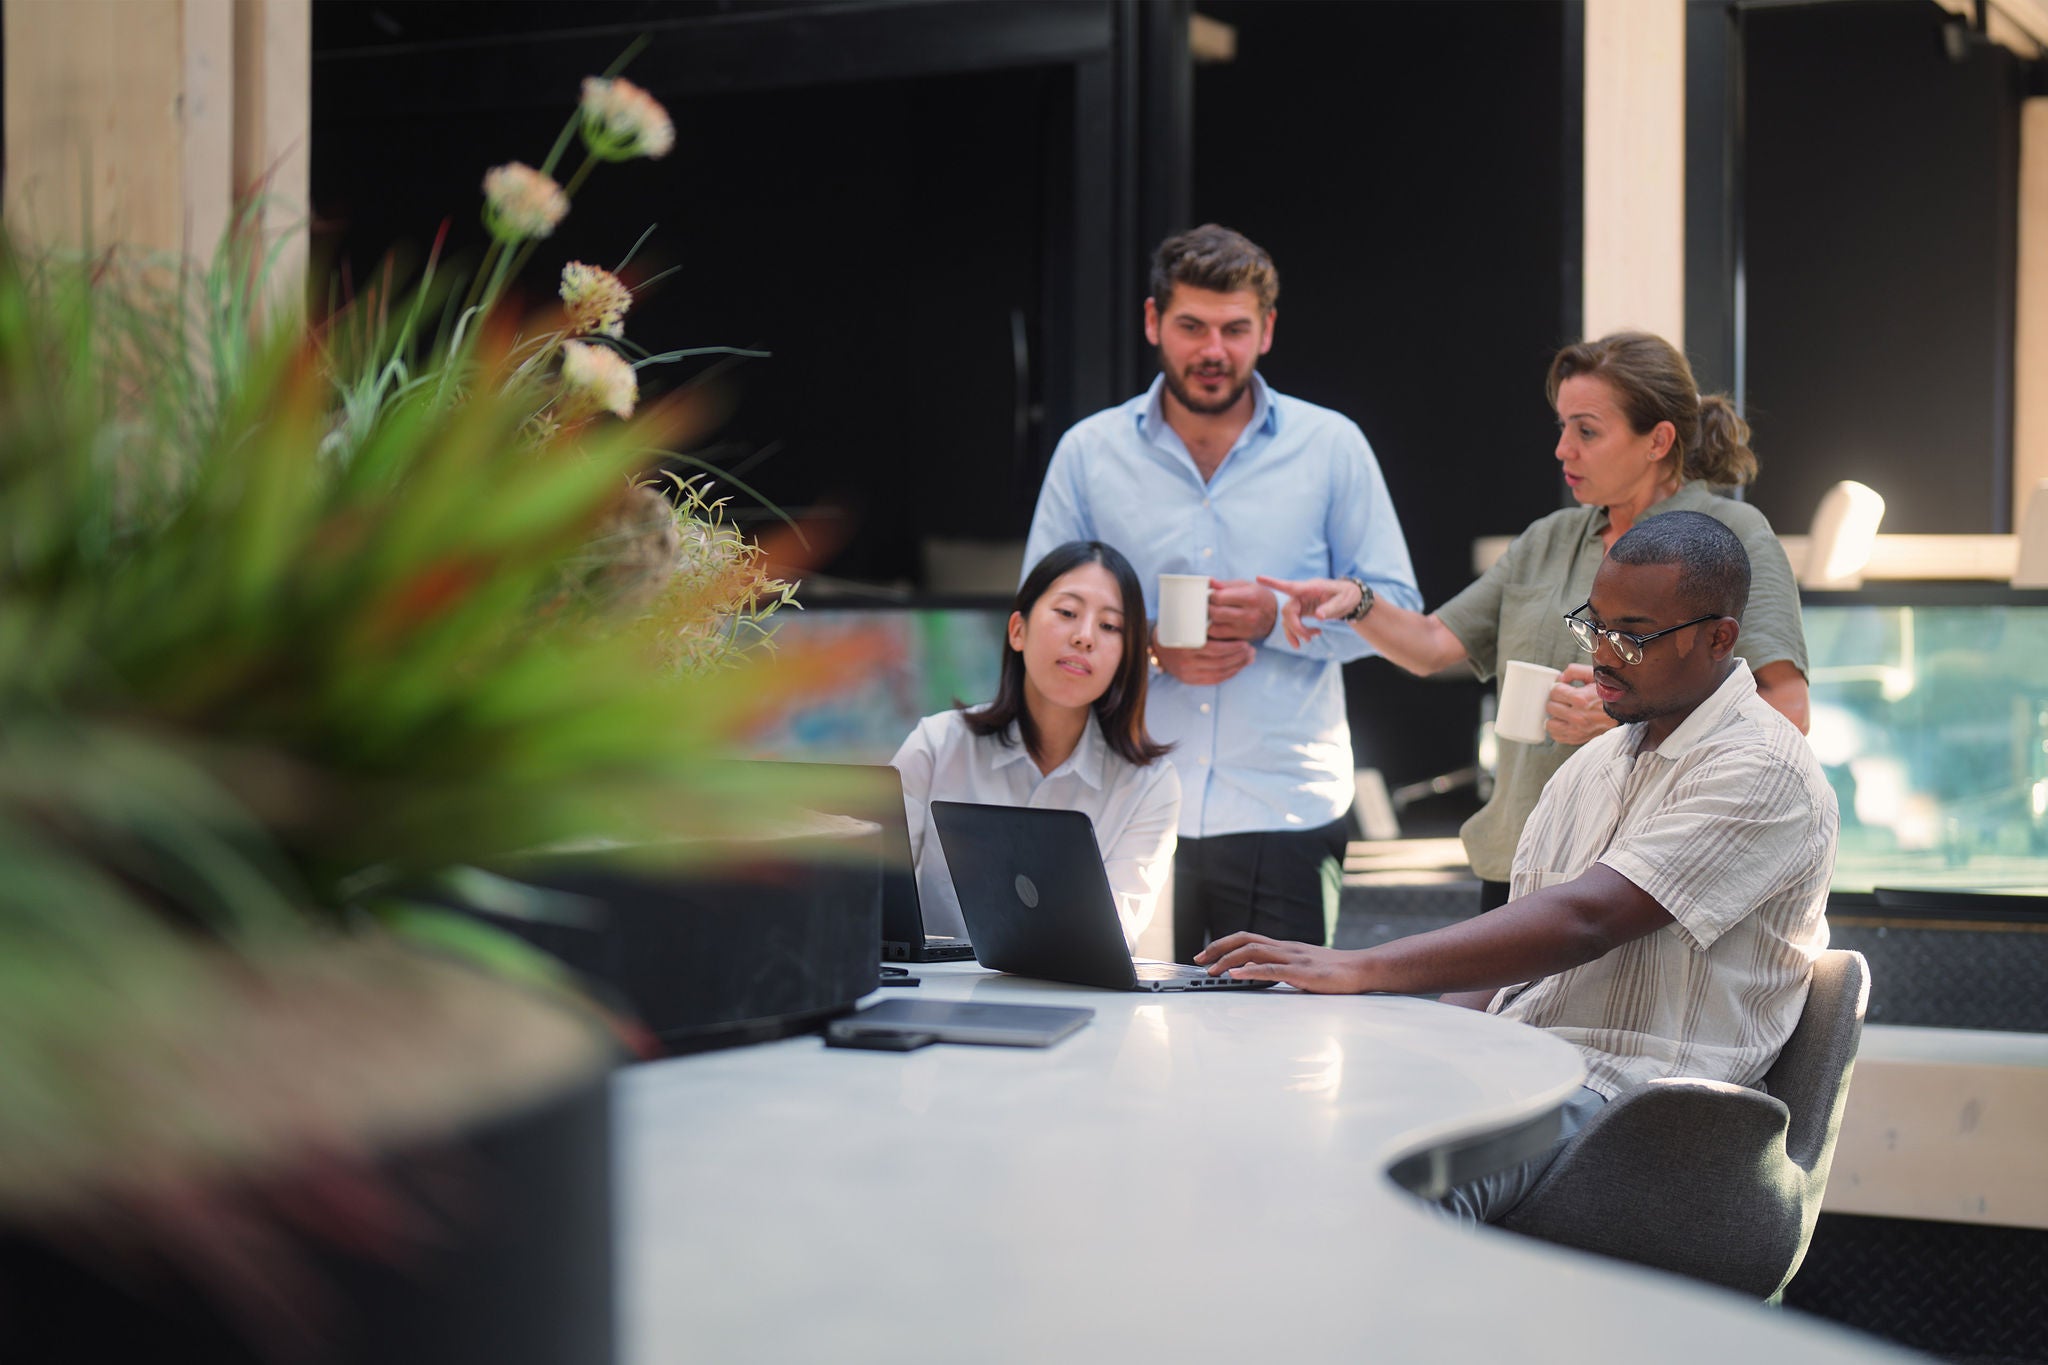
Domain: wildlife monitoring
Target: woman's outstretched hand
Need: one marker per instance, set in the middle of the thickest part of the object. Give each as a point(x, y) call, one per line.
point(1312, 600)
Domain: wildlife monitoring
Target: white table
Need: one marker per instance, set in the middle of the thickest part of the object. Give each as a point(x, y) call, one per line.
point(1190, 1177)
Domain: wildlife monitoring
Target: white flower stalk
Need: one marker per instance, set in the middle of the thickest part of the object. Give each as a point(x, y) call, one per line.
point(596, 299)
point(622, 121)
point(599, 379)
point(521, 203)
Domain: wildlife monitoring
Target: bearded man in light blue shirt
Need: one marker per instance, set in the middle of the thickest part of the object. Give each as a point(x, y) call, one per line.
point(1211, 472)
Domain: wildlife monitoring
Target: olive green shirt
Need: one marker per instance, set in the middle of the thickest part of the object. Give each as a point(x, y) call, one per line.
point(1515, 610)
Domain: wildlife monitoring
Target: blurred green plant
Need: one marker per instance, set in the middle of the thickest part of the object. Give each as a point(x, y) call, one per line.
point(426, 654)
point(256, 703)
point(296, 622)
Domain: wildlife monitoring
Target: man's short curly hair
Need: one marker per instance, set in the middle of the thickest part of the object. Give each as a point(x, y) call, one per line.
point(1713, 566)
point(1217, 259)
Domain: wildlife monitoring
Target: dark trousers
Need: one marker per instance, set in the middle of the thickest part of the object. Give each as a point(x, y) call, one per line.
point(1280, 883)
point(1492, 896)
point(1493, 1197)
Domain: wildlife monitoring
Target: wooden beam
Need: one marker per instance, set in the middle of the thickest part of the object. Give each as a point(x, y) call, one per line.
point(137, 122)
point(2030, 324)
point(206, 126)
point(96, 123)
point(2021, 25)
point(1945, 1124)
point(1211, 42)
point(1635, 167)
point(274, 115)
point(1894, 558)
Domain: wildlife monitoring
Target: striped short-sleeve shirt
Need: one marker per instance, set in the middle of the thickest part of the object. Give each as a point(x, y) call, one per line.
point(1730, 825)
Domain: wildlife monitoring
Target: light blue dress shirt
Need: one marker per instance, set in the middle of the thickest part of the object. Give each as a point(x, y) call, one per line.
point(1299, 496)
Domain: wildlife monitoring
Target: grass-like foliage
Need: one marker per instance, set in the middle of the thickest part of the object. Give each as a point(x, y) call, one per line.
point(297, 619)
point(253, 696)
point(401, 660)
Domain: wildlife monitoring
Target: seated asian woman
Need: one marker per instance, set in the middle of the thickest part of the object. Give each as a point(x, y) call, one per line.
point(1066, 731)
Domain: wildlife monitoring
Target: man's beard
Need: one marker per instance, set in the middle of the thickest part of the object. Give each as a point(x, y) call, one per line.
point(1204, 407)
point(1631, 708)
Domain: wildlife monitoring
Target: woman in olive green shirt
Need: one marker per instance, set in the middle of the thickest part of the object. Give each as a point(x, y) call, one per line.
point(1635, 439)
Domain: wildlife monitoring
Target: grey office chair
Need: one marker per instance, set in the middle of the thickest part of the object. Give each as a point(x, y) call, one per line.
point(1713, 1180)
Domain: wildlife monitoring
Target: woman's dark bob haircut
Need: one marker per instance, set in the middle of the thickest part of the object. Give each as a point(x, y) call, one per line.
point(1120, 710)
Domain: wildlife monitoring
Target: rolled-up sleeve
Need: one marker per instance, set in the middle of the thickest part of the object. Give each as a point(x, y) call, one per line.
point(1474, 614)
point(1771, 628)
point(1363, 532)
point(1735, 833)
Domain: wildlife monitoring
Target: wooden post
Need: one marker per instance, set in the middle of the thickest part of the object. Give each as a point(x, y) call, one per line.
point(1635, 167)
point(274, 114)
point(2030, 329)
point(136, 123)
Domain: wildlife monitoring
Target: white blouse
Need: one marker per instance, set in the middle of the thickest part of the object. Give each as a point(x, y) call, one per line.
point(1135, 810)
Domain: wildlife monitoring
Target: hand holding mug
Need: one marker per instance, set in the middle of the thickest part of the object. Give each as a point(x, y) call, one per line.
point(1218, 661)
point(1573, 714)
point(1240, 610)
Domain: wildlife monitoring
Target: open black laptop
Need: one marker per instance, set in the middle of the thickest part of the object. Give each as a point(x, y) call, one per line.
point(881, 800)
point(1037, 901)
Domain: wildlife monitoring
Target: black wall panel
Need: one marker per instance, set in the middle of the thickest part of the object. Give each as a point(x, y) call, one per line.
point(921, 210)
point(1406, 164)
point(1880, 176)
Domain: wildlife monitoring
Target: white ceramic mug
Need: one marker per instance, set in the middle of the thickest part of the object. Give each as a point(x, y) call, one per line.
point(1524, 702)
point(1183, 611)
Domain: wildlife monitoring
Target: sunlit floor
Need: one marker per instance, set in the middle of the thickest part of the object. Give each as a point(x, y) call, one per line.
point(1411, 862)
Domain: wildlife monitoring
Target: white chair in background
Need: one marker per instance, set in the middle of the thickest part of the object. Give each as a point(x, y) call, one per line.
point(1843, 535)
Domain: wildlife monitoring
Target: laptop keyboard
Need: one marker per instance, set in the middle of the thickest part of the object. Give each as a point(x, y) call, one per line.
point(1166, 971)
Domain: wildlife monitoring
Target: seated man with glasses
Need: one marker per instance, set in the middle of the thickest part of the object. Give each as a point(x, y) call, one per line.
point(1669, 891)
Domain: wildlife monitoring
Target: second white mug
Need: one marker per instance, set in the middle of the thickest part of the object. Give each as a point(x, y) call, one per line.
point(1524, 702)
point(1183, 611)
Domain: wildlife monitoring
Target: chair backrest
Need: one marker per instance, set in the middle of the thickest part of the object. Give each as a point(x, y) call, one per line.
point(1708, 1179)
point(1811, 1074)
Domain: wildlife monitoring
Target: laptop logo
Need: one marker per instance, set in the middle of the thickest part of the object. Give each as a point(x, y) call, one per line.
point(1026, 892)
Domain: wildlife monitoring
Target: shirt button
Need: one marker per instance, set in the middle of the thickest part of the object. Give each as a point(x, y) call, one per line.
point(1205, 502)
point(1208, 550)
point(1205, 708)
point(1205, 760)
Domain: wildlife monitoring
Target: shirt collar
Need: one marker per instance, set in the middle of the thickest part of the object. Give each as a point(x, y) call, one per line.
point(1690, 496)
point(1087, 762)
point(1151, 413)
point(1737, 687)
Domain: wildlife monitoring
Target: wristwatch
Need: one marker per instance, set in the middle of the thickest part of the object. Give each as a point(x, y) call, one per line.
point(1365, 600)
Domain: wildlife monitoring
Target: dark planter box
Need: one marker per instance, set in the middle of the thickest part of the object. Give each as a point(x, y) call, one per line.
point(506, 1260)
point(773, 945)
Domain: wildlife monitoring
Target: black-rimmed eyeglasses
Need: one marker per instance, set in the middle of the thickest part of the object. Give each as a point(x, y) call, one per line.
point(1628, 647)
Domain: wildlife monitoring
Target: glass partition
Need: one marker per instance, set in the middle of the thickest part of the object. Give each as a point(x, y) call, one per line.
point(1930, 716)
point(932, 656)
